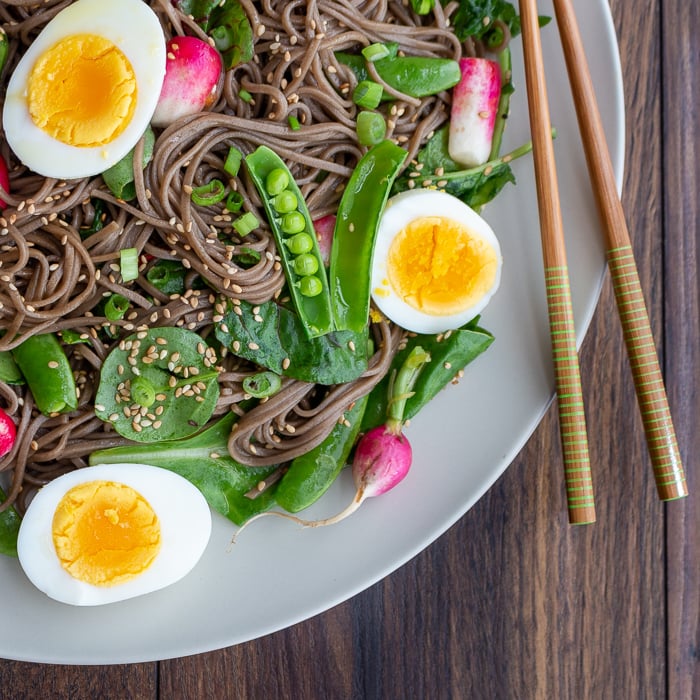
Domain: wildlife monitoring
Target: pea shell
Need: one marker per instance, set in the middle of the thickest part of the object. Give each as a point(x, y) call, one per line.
point(314, 311)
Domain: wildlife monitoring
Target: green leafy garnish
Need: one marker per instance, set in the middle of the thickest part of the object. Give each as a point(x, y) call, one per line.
point(120, 177)
point(226, 22)
point(478, 19)
point(449, 353)
point(159, 384)
point(474, 186)
point(273, 337)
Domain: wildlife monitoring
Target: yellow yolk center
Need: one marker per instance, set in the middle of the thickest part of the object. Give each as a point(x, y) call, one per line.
point(105, 533)
point(82, 91)
point(439, 266)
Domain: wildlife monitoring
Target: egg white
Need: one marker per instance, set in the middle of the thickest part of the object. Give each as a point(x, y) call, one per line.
point(185, 522)
point(400, 211)
point(135, 29)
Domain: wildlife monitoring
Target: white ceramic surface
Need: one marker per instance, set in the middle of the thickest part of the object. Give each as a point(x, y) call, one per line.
point(278, 574)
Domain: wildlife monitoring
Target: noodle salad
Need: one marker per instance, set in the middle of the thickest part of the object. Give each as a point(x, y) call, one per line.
point(228, 279)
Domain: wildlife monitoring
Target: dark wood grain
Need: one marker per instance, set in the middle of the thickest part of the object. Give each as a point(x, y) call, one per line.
point(681, 62)
point(512, 602)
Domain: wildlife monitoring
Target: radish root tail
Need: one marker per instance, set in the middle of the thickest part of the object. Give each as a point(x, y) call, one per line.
point(349, 510)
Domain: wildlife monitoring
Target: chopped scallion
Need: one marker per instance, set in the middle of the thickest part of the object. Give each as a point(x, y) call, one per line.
point(211, 193)
point(245, 96)
point(371, 128)
point(234, 201)
point(246, 223)
point(367, 94)
point(375, 52)
point(116, 306)
point(129, 264)
point(233, 162)
point(262, 384)
point(294, 124)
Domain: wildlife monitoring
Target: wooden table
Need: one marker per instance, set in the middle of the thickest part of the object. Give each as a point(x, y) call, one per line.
point(512, 602)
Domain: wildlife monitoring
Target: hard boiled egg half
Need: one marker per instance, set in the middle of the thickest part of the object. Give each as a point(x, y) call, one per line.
point(113, 531)
point(84, 92)
point(436, 262)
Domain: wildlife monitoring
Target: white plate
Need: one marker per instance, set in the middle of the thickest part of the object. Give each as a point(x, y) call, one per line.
point(277, 574)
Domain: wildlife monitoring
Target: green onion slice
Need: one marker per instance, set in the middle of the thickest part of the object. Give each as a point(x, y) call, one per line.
point(129, 264)
point(116, 306)
point(246, 223)
point(233, 161)
point(371, 128)
point(375, 52)
point(211, 193)
point(262, 385)
point(367, 94)
point(234, 201)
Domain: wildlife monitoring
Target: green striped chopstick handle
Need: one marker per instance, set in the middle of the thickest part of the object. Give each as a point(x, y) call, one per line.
point(648, 380)
point(572, 419)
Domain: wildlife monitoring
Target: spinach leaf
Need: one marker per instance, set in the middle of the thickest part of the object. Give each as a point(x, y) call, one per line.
point(9, 527)
point(474, 18)
point(204, 461)
point(449, 353)
point(159, 384)
point(474, 186)
point(120, 177)
point(227, 24)
point(273, 337)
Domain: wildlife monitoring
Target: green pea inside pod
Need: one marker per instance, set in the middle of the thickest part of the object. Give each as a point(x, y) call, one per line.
point(159, 384)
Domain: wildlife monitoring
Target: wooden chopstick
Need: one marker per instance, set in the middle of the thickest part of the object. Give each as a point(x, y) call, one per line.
point(572, 422)
point(648, 380)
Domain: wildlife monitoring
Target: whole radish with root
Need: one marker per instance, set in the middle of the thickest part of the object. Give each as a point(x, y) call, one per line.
point(383, 455)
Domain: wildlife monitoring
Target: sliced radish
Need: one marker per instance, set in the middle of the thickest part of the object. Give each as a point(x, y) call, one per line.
point(474, 110)
point(192, 72)
point(4, 180)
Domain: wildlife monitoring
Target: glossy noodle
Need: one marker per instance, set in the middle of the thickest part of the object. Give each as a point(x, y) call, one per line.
point(55, 268)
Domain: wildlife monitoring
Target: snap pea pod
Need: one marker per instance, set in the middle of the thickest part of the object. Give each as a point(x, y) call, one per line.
point(360, 208)
point(46, 369)
point(289, 217)
point(416, 76)
point(9, 371)
point(311, 475)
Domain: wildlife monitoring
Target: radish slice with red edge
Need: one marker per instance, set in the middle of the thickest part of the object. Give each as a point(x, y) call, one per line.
point(4, 180)
point(474, 109)
point(192, 72)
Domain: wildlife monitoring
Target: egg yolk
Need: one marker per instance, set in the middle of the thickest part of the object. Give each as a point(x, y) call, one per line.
point(105, 533)
point(82, 91)
point(439, 266)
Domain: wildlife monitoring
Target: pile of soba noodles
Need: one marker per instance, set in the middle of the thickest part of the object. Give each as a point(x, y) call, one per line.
point(52, 278)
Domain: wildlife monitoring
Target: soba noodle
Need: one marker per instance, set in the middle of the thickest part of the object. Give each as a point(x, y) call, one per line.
point(52, 275)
